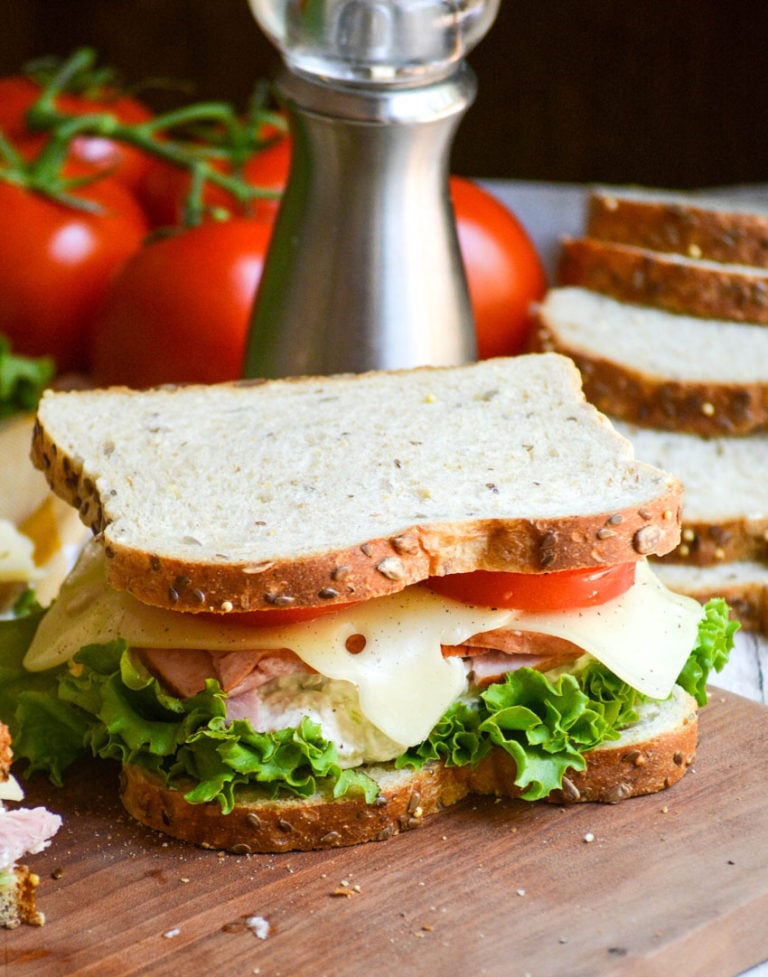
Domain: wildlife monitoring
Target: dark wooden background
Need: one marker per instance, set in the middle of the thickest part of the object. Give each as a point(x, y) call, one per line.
point(662, 92)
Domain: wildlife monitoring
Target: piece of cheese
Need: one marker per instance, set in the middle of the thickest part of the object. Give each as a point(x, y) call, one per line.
point(10, 790)
point(17, 564)
point(404, 683)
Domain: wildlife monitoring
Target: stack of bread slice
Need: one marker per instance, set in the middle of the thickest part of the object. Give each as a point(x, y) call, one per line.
point(663, 305)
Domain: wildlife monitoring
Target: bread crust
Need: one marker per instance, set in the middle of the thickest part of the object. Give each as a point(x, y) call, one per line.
point(694, 407)
point(408, 797)
point(376, 567)
point(681, 226)
point(6, 753)
point(644, 277)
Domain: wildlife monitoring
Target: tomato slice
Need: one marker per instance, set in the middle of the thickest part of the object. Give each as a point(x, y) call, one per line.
point(558, 591)
point(276, 617)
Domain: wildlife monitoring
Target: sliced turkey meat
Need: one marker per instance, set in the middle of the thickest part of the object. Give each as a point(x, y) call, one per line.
point(25, 831)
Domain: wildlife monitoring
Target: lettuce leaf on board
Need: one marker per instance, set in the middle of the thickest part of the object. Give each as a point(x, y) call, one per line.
point(22, 379)
point(106, 703)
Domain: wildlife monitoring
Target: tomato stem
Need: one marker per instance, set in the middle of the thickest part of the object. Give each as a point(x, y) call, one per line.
point(228, 138)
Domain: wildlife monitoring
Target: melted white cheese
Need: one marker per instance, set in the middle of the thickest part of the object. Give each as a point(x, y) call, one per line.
point(644, 636)
point(403, 681)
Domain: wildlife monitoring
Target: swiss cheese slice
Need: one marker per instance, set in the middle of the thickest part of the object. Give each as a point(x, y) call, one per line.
point(404, 683)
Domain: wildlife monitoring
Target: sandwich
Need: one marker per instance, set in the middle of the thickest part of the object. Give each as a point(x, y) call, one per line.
point(23, 831)
point(316, 611)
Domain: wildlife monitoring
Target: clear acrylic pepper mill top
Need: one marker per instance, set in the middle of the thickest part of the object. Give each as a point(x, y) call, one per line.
point(364, 269)
point(360, 41)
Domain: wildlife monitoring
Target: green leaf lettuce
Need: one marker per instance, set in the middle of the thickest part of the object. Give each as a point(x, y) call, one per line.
point(104, 702)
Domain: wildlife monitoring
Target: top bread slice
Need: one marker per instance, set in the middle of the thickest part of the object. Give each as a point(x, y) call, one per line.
point(313, 491)
point(673, 282)
point(697, 225)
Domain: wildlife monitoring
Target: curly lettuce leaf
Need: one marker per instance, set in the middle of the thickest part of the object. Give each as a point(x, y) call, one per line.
point(546, 724)
point(45, 731)
point(106, 703)
point(113, 708)
point(715, 641)
point(22, 380)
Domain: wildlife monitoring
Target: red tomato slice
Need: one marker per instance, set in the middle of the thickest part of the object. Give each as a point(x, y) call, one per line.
point(559, 591)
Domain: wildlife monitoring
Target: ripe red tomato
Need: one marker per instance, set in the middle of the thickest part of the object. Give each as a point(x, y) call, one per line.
point(164, 187)
point(558, 591)
point(179, 309)
point(56, 263)
point(126, 163)
point(504, 271)
point(139, 342)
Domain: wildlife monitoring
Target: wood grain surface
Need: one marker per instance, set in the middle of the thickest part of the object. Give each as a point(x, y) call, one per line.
point(675, 883)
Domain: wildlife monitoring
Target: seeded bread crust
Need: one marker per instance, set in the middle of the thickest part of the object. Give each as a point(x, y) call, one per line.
point(649, 758)
point(6, 754)
point(647, 521)
point(706, 544)
point(680, 224)
point(665, 281)
point(705, 408)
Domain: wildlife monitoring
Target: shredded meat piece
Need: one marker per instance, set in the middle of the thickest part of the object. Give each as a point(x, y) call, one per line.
point(492, 666)
point(492, 654)
point(183, 671)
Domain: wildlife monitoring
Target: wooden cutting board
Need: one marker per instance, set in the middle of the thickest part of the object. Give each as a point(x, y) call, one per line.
point(675, 883)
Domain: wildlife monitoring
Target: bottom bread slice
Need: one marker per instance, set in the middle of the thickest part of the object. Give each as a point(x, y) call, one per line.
point(742, 583)
point(650, 756)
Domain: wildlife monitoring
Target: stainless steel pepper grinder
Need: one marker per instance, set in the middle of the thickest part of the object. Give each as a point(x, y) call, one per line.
point(364, 269)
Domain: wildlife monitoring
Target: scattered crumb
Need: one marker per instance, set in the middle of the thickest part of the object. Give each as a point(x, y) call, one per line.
point(589, 837)
point(258, 926)
point(169, 934)
point(521, 892)
point(665, 810)
point(184, 879)
point(427, 928)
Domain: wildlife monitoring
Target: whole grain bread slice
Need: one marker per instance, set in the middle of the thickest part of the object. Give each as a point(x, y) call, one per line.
point(673, 282)
point(659, 369)
point(693, 224)
point(322, 490)
point(742, 583)
point(725, 507)
point(650, 756)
